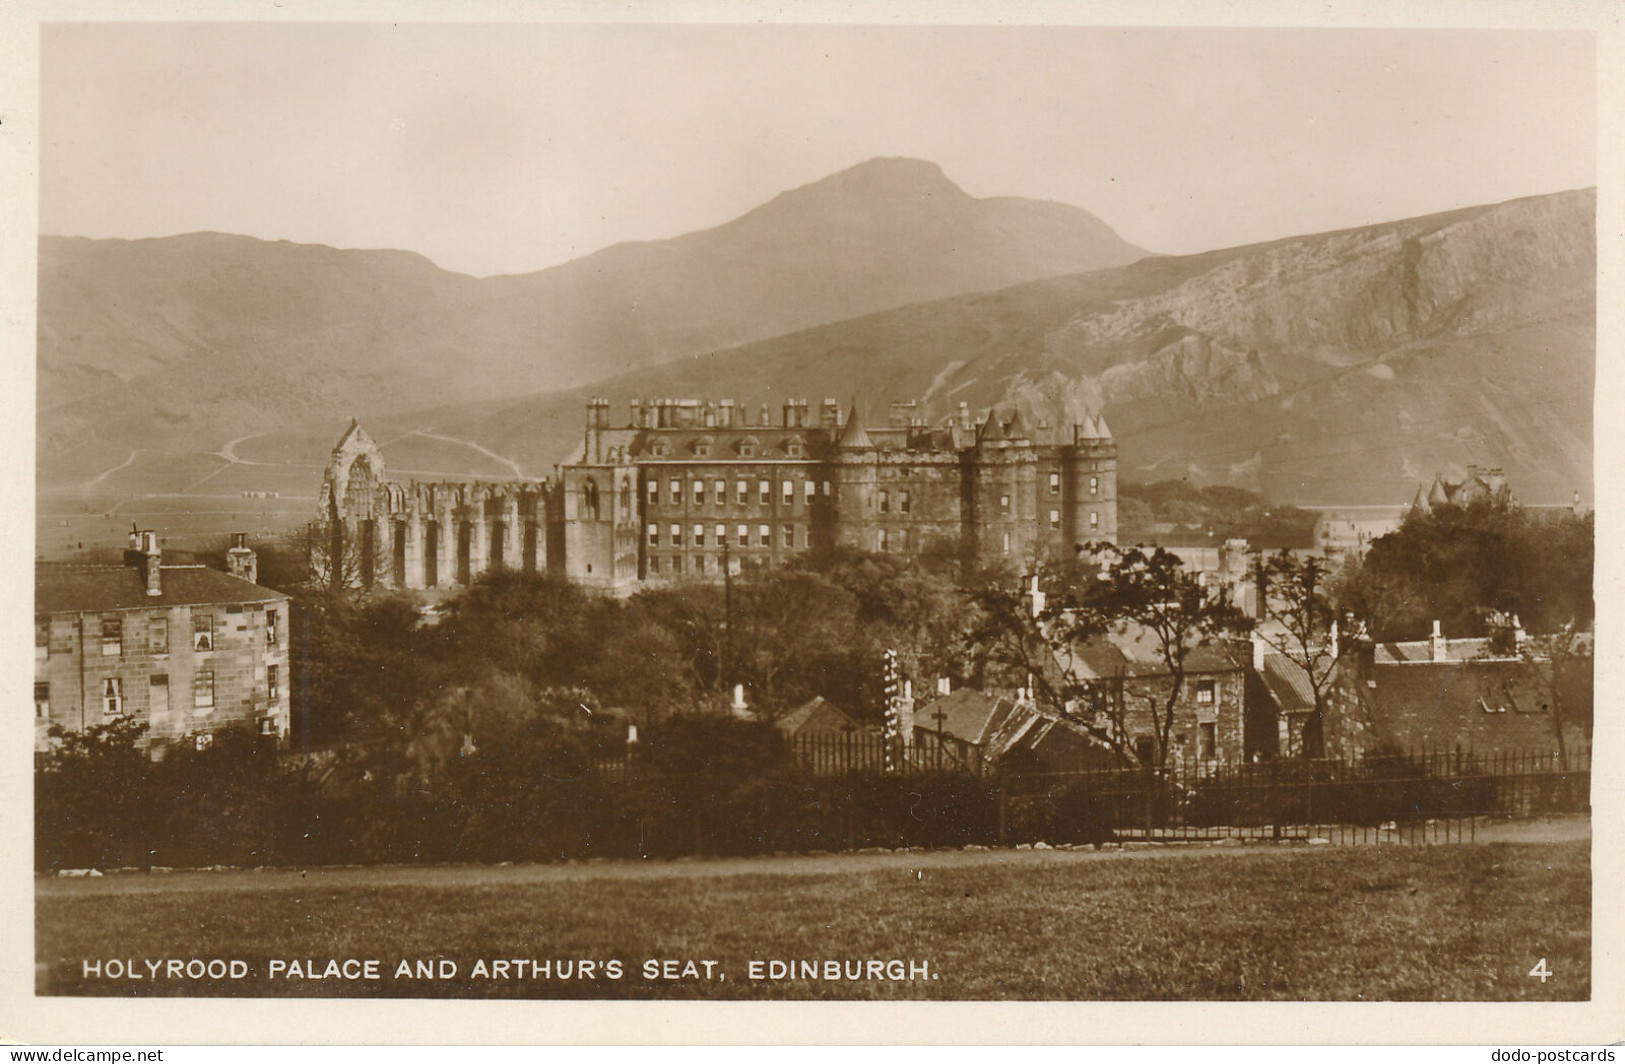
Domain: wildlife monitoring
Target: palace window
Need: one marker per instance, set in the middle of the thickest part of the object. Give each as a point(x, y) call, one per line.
point(42, 637)
point(42, 701)
point(1094, 519)
point(157, 695)
point(654, 535)
point(903, 502)
point(764, 536)
point(1094, 485)
point(158, 634)
point(882, 540)
point(721, 532)
point(883, 498)
point(654, 493)
point(1206, 692)
point(112, 696)
point(112, 637)
point(902, 540)
point(764, 492)
point(272, 632)
point(1004, 504)
point(699, 492)
point(1007, 543)
point(699, 535)
point(789, 537)
point(743, 534)
point(719, 492)
point(1055, 519)
point(203, 690)
point(273, 683)
point(654, 564)
point(677, 535)
point(1207, 741)
point(676, 490)
point(789, 493)
point(741, 492)
point(202, 632)
point(1055, 483)
point(807, 489)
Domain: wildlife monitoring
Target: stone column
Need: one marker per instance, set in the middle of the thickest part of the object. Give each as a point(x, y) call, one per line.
point(415, 577)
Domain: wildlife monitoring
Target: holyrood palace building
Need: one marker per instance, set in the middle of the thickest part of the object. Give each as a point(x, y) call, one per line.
point(685, 489)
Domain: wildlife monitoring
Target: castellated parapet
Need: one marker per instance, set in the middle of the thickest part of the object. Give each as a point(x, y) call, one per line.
point(686, 488)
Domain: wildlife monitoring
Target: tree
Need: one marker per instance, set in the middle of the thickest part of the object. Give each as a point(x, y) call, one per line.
point(1555, 671)
point(359, 667)
point(93, 797)
point(1301, 625)
point(1460, 564)
point(1148, 598)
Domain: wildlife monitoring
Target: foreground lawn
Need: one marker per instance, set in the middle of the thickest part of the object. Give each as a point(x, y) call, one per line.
point(1362, 923)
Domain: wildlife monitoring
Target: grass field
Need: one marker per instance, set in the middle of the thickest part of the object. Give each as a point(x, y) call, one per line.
point(1463, 922)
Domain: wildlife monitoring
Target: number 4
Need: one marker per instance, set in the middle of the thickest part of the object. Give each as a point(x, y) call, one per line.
point(1540, 971)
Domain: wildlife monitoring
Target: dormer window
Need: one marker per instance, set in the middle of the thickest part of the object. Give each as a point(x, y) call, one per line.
point(703, 445)
point(748, 446)
point(795, 447)
point(660, 447)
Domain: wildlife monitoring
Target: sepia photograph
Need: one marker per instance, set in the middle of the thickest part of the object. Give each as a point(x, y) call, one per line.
point(813, 511)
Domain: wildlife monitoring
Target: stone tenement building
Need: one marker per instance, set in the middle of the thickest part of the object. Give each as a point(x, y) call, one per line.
point(186, 649)
point(684, 488)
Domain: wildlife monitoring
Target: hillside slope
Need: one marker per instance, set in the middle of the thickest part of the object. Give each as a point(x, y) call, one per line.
point(1336, 368)
point(184, 342)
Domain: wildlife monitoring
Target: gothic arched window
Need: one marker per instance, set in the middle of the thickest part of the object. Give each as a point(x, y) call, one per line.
point(589, 499)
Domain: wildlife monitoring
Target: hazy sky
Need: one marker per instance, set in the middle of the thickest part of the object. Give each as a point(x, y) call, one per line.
point(497, 149)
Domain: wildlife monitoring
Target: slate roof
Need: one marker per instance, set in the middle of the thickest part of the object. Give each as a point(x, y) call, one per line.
point(854, 435)
point(796, 719)
point(1477, 706)
point(1288, 684)
point(1420, 650)
point(106, 589)
point(968, 714)
point(1134, 654)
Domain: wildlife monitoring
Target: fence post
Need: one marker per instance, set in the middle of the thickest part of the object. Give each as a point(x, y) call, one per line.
point(1004, 801)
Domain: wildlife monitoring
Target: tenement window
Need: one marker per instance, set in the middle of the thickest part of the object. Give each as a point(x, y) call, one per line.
point(112, 696)
point(203, 690)
point(202, 631)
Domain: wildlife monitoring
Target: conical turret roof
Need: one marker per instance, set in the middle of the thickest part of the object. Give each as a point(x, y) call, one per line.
point(853, 436)
point(1014, 429)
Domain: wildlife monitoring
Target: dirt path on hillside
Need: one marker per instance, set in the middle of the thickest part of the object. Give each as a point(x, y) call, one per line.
point(1552, 830)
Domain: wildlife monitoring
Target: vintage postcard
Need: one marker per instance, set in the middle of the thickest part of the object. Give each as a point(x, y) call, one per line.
point(813, 525)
